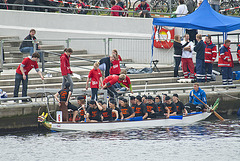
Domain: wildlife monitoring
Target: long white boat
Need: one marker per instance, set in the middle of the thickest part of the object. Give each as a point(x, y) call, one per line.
point(108, 126)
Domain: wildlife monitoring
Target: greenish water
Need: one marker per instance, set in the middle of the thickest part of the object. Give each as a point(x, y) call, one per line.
point(205, 140)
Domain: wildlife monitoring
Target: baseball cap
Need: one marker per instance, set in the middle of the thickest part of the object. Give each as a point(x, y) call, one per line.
point(176, 95)
point(167, 98)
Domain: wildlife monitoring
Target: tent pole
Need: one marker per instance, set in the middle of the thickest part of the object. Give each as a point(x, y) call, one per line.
point(224, 36)
point(153, 35)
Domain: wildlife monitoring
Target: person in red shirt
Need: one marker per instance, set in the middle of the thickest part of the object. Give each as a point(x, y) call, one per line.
point(124, 85)
point(115, 69)
point(65, 68)
point(81, 5)
point(22, 73)
point(95, 75)
point(116, 8)
point(143, 9)
point(238, 53)
point(109, 81)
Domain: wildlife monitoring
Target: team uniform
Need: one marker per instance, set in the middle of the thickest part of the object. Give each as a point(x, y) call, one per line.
point(81, 114)
point(151, 107)
point(123, 85)
point(180, 107)
point(161, 109)
point(114, 114)
point(200, 64)
point(63, 98)
point(226, 66)
point(194, 104)
point(115, 69)
point(172, 107)
point(107, 114)
point(187, 62)
point(27, 65)
point(94, 114)
point(66, 70)
point(140, 110)
point(133, 106)
point(95, 76)
point(210, 56)
point(111, 80)
point(126, 111)
point(140, 7)
point(116, 8)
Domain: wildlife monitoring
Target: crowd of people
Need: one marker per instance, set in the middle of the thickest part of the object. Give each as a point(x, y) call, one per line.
point(205, 57)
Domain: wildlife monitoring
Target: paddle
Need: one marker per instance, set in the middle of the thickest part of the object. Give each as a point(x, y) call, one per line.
point(139, 118)
point(215, 113)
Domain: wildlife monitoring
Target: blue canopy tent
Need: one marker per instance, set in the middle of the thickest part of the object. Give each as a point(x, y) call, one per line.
point(204, 18)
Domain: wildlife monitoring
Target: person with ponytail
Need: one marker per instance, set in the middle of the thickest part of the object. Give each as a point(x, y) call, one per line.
point(124, 85)
point(115, 69)
point(95, 75)
point(65, 68)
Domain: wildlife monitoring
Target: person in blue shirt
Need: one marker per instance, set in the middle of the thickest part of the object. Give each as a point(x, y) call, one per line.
point(194, 104)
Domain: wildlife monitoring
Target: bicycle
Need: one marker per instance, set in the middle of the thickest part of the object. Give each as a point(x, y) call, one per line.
point(229, 4)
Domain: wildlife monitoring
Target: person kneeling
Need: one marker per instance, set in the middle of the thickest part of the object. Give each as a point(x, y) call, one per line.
point(94, 112)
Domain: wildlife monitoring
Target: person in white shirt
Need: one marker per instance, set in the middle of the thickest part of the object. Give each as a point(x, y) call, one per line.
point(181, 9)
point(187, 62)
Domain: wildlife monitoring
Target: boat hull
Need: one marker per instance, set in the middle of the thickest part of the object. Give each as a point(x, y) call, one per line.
point(108, 126)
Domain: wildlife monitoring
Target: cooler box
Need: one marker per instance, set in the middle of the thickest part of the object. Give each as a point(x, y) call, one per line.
point(236, 75)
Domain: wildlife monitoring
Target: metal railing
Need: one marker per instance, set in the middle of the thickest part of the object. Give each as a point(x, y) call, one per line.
point(16, 99)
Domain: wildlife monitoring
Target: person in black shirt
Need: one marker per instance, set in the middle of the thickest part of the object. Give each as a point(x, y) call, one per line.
point(140, 108)
point(105, 64)
point(116, 112)
point(94, 112)
point(162, 109)
point(177, 53)
point(132, 102)
point(144, 99)
point(152, 108)
point(81, 108)
point(171, 106)
point(126, 110)
point(106, 113)
point(179, 105)
point(65, 95)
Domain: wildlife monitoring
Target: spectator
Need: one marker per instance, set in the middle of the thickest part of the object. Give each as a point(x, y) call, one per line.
point(215, 4)
point(105, 64)
point(200, 64)
point(210, 56)
point(31, 2)
point(81, 5)
point(181, 9)
point(121, 4)
point(190, 6)
point(238, 53)
point(177, 53)
point(124, 85)
point(65, 68)
point(225, 61)
point(116, 8)
point(22, 73)
point(187, 62)
point(115, 69)
point(4, 6)
point(143, 9)
point(3, 94)
point(27, 46)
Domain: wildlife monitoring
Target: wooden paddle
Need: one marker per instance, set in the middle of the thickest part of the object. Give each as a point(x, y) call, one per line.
point(215, 113)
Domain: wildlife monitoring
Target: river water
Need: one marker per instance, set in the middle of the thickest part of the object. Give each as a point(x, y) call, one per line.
point(204, 141)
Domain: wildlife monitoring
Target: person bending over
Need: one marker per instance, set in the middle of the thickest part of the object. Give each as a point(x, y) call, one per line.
point(124, 85)
point(194, 104)
point(94, 112)
point(65, 95)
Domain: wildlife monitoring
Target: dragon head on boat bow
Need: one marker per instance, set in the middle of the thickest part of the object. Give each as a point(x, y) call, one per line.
point(42, 119)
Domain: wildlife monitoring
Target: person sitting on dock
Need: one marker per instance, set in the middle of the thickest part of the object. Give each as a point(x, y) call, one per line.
point(126, 110)
point(152, 108)
point(81, 108)
point(22, 73)
point(194, 104)
point(124, 85)
point(116, 112)
point(106, 113)
point(180, 106)
point(132, 102)
point(65, 95)
point(171, 106)
point(140, 108)
point(94, 112)
point(110, 81)
point(162, 109)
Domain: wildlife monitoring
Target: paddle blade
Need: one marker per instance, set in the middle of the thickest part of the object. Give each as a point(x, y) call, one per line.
point(218, 116)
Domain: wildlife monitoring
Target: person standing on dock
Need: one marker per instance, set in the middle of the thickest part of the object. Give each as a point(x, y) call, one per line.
point(105, 65)
point(194, 104)
point(95, 75)
point(177, 53)
point(22, 73)
point(210, 56)
point(225, 61)
point(115, 69)
point(65, 68)
point(200, 57)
